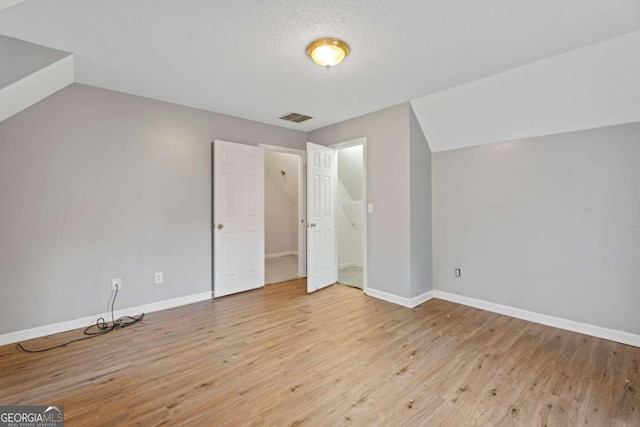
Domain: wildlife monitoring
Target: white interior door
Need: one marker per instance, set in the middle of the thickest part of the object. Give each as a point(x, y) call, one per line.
point(238, 218)
point(322, 254)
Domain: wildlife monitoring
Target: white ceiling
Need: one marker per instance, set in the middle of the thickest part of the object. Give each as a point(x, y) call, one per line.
point(592, 87)
point(6, 3)
point(25, 59)
point(35, 73)
point(247, 58)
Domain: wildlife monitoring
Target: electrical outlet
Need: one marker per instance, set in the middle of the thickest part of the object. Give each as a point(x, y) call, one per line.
point(116, 284)
point(159, 277)
point(458, 272)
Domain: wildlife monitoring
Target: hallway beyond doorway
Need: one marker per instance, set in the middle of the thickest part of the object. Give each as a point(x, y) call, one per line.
point(350, 276)
point(280, 269)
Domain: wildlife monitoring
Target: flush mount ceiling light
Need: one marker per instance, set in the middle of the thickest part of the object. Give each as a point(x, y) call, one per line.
point(327, 52)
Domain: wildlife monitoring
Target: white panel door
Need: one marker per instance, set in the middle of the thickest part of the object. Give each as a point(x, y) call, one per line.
point(322, 254)
point(238, 218)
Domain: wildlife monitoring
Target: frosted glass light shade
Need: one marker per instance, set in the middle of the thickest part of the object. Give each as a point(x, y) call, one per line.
point(327, 52)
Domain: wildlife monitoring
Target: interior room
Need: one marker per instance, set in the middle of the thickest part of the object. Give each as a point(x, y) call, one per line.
point(263, 212)
point(281, 207)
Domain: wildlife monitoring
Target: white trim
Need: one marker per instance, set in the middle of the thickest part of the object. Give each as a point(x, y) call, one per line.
point(556, 322)
point(302, 215)
point(403, 301)
point(36, 87)
point(365, 221)
point(56, 328)
point(420, 299)
point(279, 254)
point(350, 143)
point(349, 264)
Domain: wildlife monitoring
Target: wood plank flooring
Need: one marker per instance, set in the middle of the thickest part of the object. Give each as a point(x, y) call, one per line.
point(280, 357)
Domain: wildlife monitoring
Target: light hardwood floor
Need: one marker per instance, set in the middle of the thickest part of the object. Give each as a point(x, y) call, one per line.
point(280, 357)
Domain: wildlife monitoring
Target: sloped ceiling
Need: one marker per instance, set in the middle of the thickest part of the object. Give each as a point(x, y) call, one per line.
point(35, 72)
point(25, 59)
point(247, 58)
point(591, 87)
point(7, 3)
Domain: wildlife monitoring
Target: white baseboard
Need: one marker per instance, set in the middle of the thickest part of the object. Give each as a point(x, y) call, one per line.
point(277, 254)
point(349, 264)
point(422, 298)
point(557, 322)
point(403, 301)
point(56, 328)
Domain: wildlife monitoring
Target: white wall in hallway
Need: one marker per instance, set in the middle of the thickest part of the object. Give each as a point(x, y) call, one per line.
point(349, 229)
point(350, 212)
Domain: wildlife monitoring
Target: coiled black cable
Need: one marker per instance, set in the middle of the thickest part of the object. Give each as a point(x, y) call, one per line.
point(101, 325)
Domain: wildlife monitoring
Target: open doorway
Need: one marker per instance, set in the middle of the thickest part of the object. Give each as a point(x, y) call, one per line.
point(350, 215)
point(283, 199)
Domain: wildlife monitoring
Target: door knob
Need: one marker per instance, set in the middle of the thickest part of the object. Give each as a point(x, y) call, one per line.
point(219, 226)
point(311, 224)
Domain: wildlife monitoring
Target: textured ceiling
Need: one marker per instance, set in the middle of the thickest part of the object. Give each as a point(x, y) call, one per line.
point(247, 58)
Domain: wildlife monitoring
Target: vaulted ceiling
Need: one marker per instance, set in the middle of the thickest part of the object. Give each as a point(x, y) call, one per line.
point(247, 58)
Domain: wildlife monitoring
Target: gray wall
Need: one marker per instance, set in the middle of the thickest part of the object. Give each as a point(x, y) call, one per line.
point(388, 233)
point(548, 224)
point(97, 184)
point(421, 223)
point(20, 59)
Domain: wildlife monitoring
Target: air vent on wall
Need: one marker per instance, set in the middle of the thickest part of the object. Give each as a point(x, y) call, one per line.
point(296, 117)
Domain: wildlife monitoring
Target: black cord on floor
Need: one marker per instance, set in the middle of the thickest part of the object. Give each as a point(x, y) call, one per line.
point(100, 328)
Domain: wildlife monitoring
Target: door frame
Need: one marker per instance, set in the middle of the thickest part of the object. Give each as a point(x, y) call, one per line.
point(302, 202)
point(352, 143)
